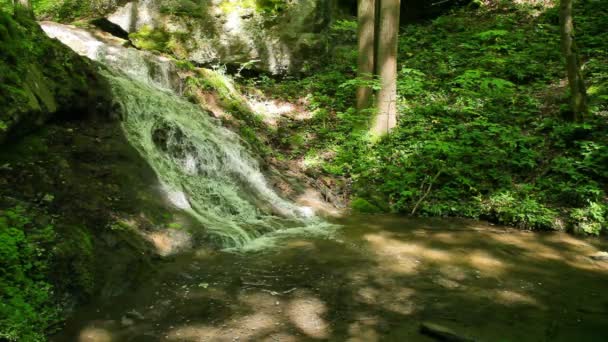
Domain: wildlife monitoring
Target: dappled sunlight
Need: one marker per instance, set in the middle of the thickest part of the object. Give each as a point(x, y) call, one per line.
point(509, 297)
point(273, 111)
point(194, 333)
point(307, 314)
point(558, 247)
point(312, 198)
point(169, 242)
point(368, 295)
point(384, 279)
point(453, 272)
point(363, 329)
point(399, 300)
point(486, 263)
point(94, 334)
point(405, 256)
point(256, 323)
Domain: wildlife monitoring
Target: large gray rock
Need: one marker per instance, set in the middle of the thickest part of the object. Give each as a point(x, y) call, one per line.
point(288, 40)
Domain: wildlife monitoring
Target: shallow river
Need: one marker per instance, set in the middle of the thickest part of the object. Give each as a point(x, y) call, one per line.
point(378, 280)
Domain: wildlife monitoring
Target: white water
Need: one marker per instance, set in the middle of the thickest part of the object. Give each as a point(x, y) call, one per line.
point(203, 167)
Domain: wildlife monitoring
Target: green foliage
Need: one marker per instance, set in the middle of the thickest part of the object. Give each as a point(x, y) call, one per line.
point(589, 220)
point(148, 38)
point(271, 6)
point(364, 206)
point(344, 30)
point(524, 212)
point(474, 138)
point(26, 308)
point(480, 133)
point(195, 9)
point(63, 10)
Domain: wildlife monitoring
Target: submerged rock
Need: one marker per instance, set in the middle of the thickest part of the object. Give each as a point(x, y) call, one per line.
point(441, 333)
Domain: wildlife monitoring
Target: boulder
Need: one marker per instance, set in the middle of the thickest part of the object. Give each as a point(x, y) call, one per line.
point(41, 79)
point(275, 36)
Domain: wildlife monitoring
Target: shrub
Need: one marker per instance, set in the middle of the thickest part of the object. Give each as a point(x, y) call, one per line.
point(26, 306)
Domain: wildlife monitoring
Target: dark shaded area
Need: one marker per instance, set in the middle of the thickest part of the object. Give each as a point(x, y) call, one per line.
point(415, 10)
point(381, 280)
point(41, 79)
point(411, 10)
point(111, 28)
point(83, 177)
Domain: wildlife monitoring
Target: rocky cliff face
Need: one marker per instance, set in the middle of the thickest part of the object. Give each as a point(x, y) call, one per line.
point(274, 36)
point(41, 79)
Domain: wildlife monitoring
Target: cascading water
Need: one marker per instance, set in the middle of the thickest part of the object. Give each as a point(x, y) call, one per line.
point(204, 168)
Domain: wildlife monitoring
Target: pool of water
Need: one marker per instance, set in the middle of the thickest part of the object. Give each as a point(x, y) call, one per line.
point(378, 279)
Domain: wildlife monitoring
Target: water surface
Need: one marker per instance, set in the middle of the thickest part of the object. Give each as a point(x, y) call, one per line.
point(377, 280)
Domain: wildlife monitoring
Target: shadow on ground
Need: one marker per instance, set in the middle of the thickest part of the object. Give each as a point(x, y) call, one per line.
point(380, 280)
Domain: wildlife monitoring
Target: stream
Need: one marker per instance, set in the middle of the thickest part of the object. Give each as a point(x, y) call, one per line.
point(276, 272)
point(378, 279)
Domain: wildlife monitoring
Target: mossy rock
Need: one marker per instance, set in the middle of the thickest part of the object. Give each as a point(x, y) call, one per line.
point(41, 79)
point(362, 205)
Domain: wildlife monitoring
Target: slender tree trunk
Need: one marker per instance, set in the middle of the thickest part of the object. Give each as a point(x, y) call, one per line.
point(22, 3)
point(575, 77)
point(366, 12)
point(386, 65)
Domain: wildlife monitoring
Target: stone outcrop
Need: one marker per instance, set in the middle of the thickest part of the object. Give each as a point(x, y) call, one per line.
point(279, 37)
point(41, 79)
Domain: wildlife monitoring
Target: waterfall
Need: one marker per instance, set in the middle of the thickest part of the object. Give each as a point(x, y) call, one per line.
point(203, 167)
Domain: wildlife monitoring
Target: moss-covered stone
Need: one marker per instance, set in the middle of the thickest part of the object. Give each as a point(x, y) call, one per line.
point(364, 206)
point(41, 79)
point(275, 36)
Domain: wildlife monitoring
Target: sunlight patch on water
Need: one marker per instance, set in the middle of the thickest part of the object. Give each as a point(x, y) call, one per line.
point(485, 262)
point(307, 315)
point(194, 332)
point(509, 297)
point(95, 334)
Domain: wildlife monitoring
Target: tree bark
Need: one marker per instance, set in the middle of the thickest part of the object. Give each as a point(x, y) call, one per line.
point(575, 77)
point(386, 64)
point(23, 8)
point(23, 3)
point(366, 13)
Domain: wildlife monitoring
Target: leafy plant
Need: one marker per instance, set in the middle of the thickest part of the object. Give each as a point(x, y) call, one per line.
point(26, 305)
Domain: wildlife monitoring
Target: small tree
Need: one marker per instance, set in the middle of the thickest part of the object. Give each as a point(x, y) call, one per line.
point(575, 77)
point(378, 36)
point(386, 66)
point(366, 13)
point(23, 8)
point(23, 3)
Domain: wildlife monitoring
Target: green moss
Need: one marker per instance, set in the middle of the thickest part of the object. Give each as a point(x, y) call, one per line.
point(40, 77)
point(362, 205)
point(73, 261)
point(153, 39)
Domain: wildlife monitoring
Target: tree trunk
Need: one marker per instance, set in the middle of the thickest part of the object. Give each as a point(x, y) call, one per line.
point(366, 12)
point(575, 77)
point(23, 8)
point(386, 64)
point(23, 3)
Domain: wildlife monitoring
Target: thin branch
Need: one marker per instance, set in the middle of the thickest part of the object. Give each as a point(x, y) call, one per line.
point(428, 191)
